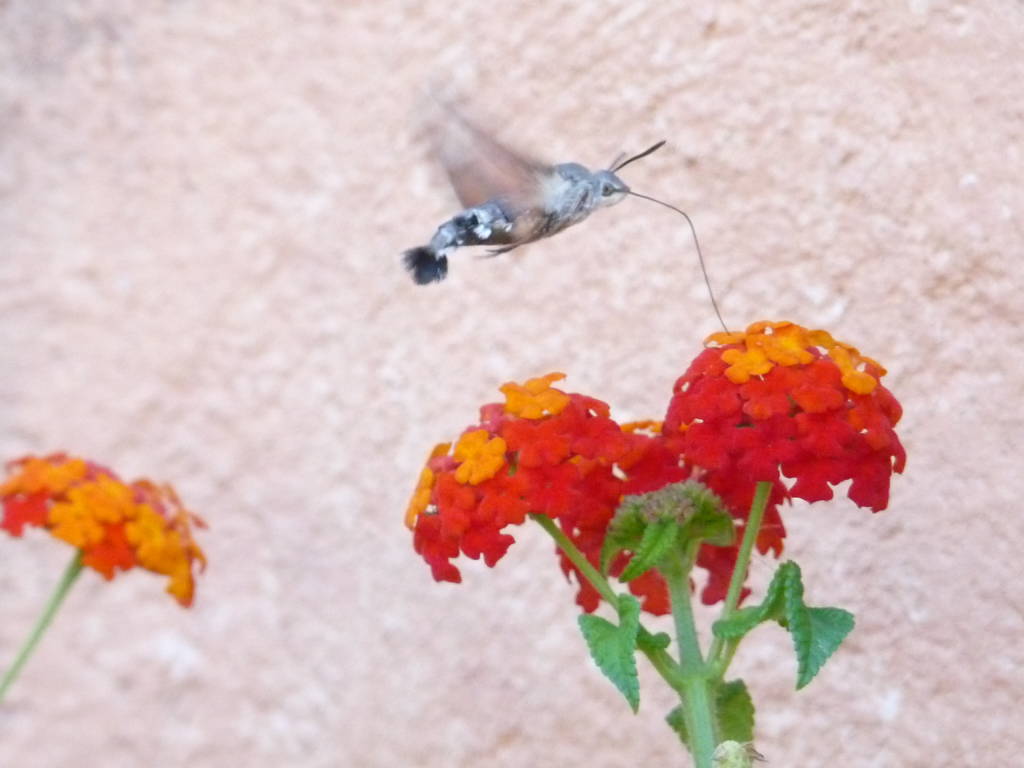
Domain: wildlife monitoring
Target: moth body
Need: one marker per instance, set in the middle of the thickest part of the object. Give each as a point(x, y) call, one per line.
point(554, 198)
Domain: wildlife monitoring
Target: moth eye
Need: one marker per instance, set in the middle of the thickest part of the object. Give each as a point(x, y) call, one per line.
point(607, 190)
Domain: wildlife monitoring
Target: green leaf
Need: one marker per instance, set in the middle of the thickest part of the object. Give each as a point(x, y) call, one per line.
point(657, 642)
point(712, 525)
point(677, 722)
point(785, 586)
point(625, 532)
point(658, 540)
point(709, 519)
point(697, 513)
point(737, 625)
point(613, 647)
point(735, 712)
point(816, 632)
point(826, 629)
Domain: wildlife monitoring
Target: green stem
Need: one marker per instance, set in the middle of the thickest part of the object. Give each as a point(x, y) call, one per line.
point(66, 581)
point(660, 660)
point(698, 711)
point(577, 558)
point(700, 719)
point(739, 573)
point(728, 651)
point(677, 576)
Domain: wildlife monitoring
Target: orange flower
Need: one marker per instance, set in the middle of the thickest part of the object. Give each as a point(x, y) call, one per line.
point(647, 427)
point(44, 475)
point(481, 456)
point(116, 525)
point(767, 344)
point(82, 515)
point(536, 398)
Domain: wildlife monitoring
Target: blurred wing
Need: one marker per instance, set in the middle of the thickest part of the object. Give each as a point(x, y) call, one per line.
point(481, 168)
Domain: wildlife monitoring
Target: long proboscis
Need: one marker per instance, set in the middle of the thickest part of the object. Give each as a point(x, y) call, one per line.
point(696, 242)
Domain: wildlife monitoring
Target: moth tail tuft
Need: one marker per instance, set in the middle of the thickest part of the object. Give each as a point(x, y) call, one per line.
point(425, 265)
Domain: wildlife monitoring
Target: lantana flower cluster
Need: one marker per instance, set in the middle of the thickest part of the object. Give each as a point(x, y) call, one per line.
point(781, 401)
point(116, 525)
point(542, 451)
point(776, 403)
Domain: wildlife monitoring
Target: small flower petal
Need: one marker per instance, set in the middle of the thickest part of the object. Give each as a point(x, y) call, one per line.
point(481, 456)
point(536, 398)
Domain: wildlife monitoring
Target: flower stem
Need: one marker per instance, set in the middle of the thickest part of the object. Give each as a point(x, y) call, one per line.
point(677, 575)
point(660, 660)
point(698, 712)
point(577, 558)
point(699, 716)
point(739, 573)
point(63, 587)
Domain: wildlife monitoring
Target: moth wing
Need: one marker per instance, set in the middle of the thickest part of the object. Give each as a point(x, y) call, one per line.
point(481, 168)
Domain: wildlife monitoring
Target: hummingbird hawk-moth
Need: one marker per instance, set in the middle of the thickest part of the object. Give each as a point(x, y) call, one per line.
point(510, 200)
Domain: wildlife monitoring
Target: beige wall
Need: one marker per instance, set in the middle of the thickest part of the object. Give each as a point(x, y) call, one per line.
point(201, 207)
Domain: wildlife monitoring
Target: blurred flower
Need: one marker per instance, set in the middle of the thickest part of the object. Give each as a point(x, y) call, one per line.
point(542, 451)
point(116, 525)
point(780, 401)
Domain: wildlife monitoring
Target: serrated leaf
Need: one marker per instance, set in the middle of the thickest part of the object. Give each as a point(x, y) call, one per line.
point(733, 709)
point(712, 525)
point(773, 608)
point(793, 607)
point(737, 625)
point(658, 539)
point(613, 647)
point(735, 712)
point(826, 630)
point(816, 632)
point(677, 722)
point(784, 586)
point(625, 532)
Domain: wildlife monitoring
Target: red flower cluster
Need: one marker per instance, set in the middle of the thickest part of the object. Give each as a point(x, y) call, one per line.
point(546, 452)
point(777, 401)
point(782, 401)
point(116, 525)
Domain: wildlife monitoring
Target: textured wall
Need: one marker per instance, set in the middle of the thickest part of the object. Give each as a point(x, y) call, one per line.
point(201, 207)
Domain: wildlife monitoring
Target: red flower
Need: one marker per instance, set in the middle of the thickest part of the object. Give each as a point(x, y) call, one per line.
point(545, 452)
point(779, 401)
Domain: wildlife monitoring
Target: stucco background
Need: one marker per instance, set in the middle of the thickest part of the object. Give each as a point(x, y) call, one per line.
point(201, 211)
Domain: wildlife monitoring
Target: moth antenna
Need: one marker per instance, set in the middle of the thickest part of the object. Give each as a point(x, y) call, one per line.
point(696, 242)
point(618, 165)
